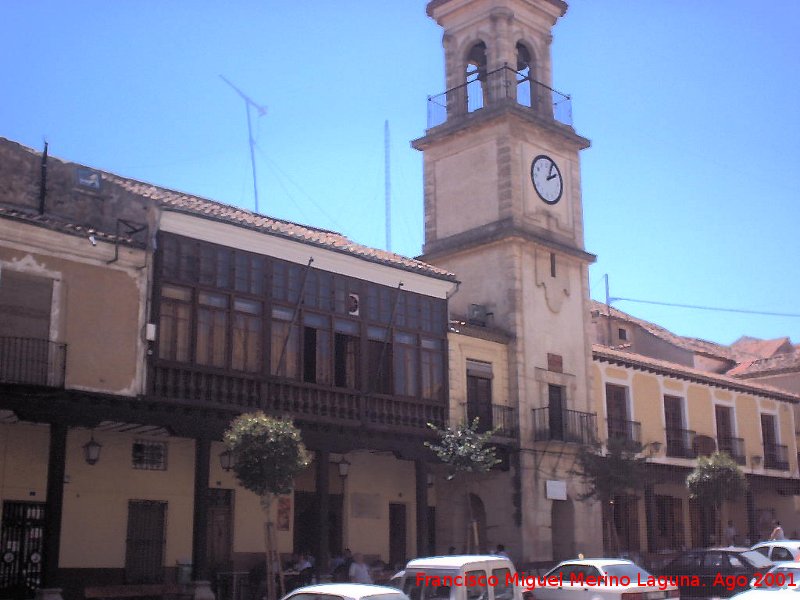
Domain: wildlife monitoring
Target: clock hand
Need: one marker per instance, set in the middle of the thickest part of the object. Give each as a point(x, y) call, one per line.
point(553, 173)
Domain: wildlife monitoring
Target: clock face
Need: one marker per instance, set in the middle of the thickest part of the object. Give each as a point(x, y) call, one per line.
point(546, 179)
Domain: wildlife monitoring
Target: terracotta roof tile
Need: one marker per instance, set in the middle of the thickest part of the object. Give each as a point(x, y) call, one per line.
point(688, 343)
point(332, 240)
point(780, 363)
point(55, 223)
point(683, 372)
point(755, 348)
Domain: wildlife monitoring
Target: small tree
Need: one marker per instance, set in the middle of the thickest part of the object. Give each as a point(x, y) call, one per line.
point(464, 449)
point(268, 453)
point(607, 475)
point(714, 480)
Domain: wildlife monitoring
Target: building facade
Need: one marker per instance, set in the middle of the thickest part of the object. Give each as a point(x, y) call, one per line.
point(137, 322)
point(665, 394)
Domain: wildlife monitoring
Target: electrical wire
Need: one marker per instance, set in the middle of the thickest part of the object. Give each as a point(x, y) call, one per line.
point(710, 308)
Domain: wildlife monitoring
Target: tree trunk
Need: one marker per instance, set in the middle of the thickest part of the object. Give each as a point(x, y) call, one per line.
point(271, 556)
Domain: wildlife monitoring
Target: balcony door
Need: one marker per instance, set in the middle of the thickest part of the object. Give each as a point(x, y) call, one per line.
point(25, 302)
point(617, 411)
point(479, 394)
point(724, 422)
point(725, 439)
point(673, 420)
point(556, 411)
point(770, 436)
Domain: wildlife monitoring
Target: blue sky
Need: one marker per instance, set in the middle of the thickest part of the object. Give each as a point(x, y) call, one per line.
point(690, 188)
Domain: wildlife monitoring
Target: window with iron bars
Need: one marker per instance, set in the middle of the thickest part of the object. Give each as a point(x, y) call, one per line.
point(149, 455)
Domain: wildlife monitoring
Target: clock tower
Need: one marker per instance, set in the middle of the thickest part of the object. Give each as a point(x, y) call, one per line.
point(503, 211)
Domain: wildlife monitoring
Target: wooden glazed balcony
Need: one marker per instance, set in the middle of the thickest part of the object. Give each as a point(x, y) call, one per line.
point(296, 399)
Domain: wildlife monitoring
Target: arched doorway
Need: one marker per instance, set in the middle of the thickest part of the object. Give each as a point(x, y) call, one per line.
point(562, 521)
point(476, 531)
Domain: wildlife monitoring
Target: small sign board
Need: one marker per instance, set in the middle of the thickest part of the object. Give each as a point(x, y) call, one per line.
point(556, 490)
point(87, 178)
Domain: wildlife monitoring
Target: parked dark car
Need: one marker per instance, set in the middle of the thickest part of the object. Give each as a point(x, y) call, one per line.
point(718, 571)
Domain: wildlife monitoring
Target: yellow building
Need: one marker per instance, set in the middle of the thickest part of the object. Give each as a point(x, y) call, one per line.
point(648, 390)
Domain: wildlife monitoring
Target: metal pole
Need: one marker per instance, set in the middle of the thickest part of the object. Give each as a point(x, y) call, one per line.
point(388, 188)
point(252, 154)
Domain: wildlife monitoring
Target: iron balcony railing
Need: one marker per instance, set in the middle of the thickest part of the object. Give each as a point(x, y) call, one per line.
point(629, 432)
point(503, 419)
point(680, 443)
point(776, 456)
point(501, 86)
point(565, 425)
point(734, 447)
point(32, 361)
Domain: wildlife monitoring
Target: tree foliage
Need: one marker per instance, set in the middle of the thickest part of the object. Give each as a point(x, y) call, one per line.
point(464, 449)
point(715, 479)
point(268, 453)
point(610, 473)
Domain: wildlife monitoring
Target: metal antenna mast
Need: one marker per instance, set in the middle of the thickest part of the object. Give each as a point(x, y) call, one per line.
point(262, 110)
point(388, 177)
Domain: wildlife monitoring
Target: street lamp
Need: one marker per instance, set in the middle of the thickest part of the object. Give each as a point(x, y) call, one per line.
point(344, 468)
point(226, 460)
point(91, 451)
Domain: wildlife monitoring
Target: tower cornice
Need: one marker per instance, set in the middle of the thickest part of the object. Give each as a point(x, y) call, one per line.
point(559, 5)
point(503, 230)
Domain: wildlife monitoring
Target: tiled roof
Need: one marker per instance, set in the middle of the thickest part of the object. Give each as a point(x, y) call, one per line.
point(682, 372)
point(687, 343)
point(754, 348)
point(218, 211)
point(54, 223)
point(209, 209)
point(780, 363)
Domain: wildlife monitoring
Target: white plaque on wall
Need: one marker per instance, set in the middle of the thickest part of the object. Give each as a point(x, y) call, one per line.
point(556, 490)
point(365, 506)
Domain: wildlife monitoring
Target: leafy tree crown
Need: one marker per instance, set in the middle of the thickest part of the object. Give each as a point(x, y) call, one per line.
point(610, 473)
point(268, 453)
point(715, 479)
point(464, 449)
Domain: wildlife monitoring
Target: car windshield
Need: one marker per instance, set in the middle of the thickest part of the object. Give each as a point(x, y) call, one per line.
point(634, 572)
point(313, 596)
point(756, 559)
point(397, 596)
point(428, 588)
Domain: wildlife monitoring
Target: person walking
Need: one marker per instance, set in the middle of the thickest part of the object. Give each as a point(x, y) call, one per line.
point(730, 533)
point(777, 533)
point(359, 571)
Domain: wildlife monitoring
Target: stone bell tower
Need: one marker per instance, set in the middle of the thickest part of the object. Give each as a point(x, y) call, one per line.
point(503, 211)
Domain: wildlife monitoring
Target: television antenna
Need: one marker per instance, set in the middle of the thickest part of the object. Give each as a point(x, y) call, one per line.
point(262, 110)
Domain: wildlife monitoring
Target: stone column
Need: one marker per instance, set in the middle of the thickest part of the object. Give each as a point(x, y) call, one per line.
point(752, 527)
point(650, 515)
point(200, 575)
point(421, 488)
point(324, 496)
point(51, 542)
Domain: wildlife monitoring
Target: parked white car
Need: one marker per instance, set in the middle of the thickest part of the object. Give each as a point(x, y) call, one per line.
point(345, 591)
point(602, 579)
point(779, 550)
point(781, 581)
point(468, 577)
